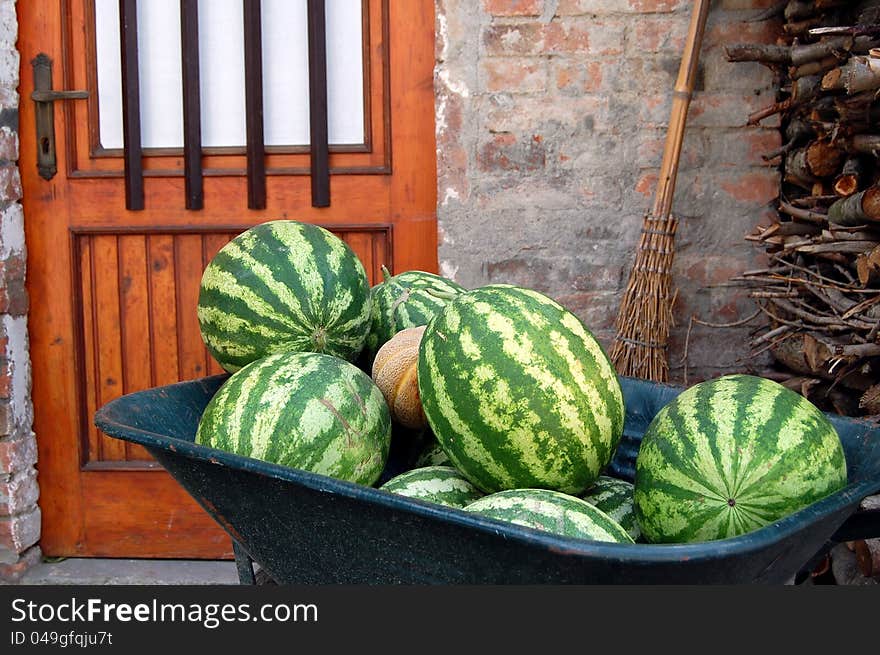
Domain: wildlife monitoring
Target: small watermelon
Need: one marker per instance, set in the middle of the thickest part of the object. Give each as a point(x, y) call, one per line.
point(551, 511)
point(405, 300)
point(433, 455)
point(283, 285)
point(731, 455)
point(518, 391)
point(304, 410)
point(615, 498)
point(436, 484)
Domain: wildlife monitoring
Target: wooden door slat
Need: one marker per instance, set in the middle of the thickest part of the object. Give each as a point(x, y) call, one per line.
point(135, 322)
point(188, 266)
point(163, 309)
point(107, 322)
point(92, 440)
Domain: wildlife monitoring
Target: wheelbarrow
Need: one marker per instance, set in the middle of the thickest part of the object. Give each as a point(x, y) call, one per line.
point(305, 528)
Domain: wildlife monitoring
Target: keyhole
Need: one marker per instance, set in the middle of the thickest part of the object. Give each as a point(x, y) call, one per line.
point(44, 145)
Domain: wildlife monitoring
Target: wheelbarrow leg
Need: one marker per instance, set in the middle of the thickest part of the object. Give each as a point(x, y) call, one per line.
point(244, 564)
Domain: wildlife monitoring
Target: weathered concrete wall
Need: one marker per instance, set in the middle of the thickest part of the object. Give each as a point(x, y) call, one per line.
point(551, 121)
point(19, 514)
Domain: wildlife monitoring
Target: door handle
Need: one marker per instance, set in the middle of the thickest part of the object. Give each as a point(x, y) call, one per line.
point(44, 111)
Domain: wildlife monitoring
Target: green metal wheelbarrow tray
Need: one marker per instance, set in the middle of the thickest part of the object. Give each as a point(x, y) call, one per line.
point(306, 528)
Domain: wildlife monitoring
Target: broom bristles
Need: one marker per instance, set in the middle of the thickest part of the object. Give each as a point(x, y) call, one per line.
point(645, 314)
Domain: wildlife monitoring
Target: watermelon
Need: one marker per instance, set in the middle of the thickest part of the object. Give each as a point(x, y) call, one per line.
point(304, 410)
point(615, 498)
point(283, 285)
point(436, 484)
point(551, 511)
point(433, 455)
point(518, 392)
point(730, 455)
point(405, 300)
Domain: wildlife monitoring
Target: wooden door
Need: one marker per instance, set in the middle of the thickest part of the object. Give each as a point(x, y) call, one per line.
point(113, 290)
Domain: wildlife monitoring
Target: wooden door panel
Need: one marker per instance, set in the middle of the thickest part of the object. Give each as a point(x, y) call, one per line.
point(151, 518)
point(137, 314)
point(114, 292)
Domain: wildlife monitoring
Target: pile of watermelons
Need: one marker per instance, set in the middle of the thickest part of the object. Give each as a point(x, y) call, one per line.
point(503, 399)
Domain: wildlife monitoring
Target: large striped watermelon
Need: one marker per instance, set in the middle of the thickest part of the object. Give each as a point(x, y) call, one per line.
point(551, 511)
point(518, 392)
point(283, 285)
point(730, 455)
point(435, 484)
point(305, 410)
point(408, 299)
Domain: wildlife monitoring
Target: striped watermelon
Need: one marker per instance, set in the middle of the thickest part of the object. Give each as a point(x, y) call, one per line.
point(305, 410)
point(518, 392)
point(731, 455)
point(403, 301)
point(551, 511)
point(615, 498)
point(436, 484)
point(283, 285)
point(433, 455)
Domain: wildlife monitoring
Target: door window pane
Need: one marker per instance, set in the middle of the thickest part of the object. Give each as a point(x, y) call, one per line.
point(221, 53)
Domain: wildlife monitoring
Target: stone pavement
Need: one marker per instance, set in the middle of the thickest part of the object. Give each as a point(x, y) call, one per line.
point(91, 571)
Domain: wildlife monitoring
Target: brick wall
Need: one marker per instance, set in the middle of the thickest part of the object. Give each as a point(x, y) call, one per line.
point(551, 120)
point(19, 513)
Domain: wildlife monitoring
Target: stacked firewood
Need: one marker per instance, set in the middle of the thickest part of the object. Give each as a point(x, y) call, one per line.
point(820, 292)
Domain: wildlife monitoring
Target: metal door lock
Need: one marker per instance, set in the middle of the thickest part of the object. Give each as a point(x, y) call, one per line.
point(44, 97)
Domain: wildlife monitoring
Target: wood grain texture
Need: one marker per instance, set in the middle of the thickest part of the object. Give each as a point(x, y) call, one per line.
point(114, 291)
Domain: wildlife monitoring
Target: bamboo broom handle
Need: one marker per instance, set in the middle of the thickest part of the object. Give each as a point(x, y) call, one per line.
point(684, 87)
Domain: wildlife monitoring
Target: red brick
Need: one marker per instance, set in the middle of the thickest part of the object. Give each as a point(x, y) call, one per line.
point(753, 186)
point(647, 184)
point(504, 153)
point(743, 146)
point(576, 76)
point(568, 37)
point(10, 183)
point(452, 168)
point(597, 309)
point(727, 109)
point(7, 419)
point(18, 493)
point(734, 31)
point(8, 144)
point(656, 34)
point(527, 111)
point(519, 39)
point(515, 75)
point(11, 573)
point(17, 454)
point(658, 6)
point(5, 379)
point(513, 7)
point(17, 533)
point(13, 295)
point(704, 270)
point(596, 37)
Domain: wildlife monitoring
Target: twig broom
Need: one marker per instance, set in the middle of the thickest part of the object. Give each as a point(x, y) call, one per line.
point(645, 314)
